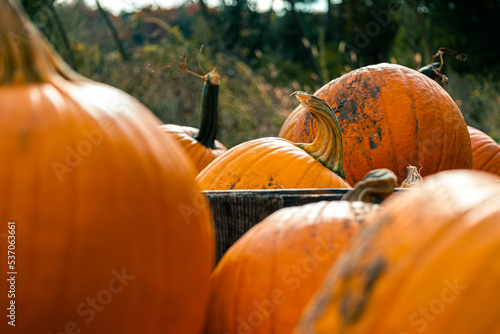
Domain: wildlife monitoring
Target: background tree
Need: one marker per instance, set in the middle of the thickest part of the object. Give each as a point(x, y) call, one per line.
point(45, 15)
point(263, 52)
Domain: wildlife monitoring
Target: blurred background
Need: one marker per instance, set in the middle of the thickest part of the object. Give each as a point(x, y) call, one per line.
point(265, 50)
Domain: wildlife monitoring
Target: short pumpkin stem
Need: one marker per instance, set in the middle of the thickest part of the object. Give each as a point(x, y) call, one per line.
point(376, 186)
point(25, 55)
point(209, 110)
point(327, 146)
point(433, 70)
point(413, 178)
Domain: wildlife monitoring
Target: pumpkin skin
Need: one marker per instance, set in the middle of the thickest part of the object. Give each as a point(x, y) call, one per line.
point(266, 163)
point(485, 152)
point(427, 262)
point(391, 116)
point(102, 242)
point(200, 145)
point(274, 163)
point(199, 154)
point(288, 128)
point(264, 281)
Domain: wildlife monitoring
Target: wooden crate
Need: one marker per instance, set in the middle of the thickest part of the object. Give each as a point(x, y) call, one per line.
point(236, 211)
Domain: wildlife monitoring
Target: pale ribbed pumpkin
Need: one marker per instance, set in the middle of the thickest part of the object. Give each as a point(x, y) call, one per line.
point(485, 152)
point(390, 116)
point(427, 263)
point(265, 280)
point(111, 233)
point(200, 144)
point(273, 163)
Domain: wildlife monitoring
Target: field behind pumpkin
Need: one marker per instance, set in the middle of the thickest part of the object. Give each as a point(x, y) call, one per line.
point(264, 57)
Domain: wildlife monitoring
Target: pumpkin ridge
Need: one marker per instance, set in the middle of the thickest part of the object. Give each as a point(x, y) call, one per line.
point(384, 102)
point(485, 151)
point(272, 316)
point(397, 103)
point(441, 241)
point(81, 227)
point(482, 144)
point(256, 159)
point(237, 275)
point(480, 148)
point(413, 106)
point(301, 172)
point(233, 152)
point(242, 152)
point(306, 171)
point(443, 145)
point(491, 161)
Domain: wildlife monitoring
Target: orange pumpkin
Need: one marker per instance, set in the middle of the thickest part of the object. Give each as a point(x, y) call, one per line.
point(264, 281)
point(111, 233)
point(427, 263)
point(485, 151)
point(391, 116)
point(201, 145)
point(272, 163)
point(288, 128)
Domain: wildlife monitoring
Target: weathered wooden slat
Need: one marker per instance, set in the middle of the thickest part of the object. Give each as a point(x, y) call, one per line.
point(236, 211)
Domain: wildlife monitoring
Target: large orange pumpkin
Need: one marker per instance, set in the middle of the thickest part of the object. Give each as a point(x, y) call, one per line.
point(391, 116)
point(485, 151)
point(200, 144)
point(427, 263)
point(111, 233)
point(273, 163)
point(264, 281)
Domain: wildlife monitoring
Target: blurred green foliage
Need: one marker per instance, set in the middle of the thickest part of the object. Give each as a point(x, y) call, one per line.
point(262, 58)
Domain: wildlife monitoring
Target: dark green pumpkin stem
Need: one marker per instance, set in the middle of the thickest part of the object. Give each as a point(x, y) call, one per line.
point(376, 186)
point(327, 147)
point(209, 110)
point(433, 70)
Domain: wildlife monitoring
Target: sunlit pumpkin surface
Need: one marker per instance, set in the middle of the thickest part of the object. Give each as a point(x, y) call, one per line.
point(199, 154)
point(274, 163)
point(112, 235)
point(267, 163)
point(428, 263)
point(485, 152)
point(391, 116)
point(265, 280)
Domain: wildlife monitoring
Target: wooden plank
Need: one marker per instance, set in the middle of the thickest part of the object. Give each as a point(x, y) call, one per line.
point(236, 211)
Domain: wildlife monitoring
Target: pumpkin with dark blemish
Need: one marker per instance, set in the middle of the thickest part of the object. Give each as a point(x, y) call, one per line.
point(265, 280)
point(427, 263)
point(254, 164)
point(485, 151)
point(390, 116)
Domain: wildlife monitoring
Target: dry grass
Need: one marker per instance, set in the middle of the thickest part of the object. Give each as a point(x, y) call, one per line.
point(249, 106)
